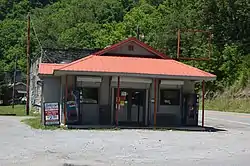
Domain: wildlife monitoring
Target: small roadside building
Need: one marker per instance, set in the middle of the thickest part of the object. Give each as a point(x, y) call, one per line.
point(128, 83)
point(20, 89)
point(20, 93)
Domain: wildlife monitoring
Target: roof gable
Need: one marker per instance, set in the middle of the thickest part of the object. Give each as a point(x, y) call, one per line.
point(132, 47)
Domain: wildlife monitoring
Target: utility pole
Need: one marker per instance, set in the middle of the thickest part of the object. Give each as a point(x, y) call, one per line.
point(138, 32)
point(14, 83)
point(28, 66)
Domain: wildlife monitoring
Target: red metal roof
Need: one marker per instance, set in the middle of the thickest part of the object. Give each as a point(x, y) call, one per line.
point(133, 39)
point(134, 65)
point(48, 68)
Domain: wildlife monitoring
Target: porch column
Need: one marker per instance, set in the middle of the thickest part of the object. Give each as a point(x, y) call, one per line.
point(62, 83)
point(203, 102)
point(65, 99)
point(117, 100)
point(155, 100)
point(146, 108)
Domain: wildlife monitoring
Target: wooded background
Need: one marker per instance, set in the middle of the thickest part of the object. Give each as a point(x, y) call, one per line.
point(99, 23)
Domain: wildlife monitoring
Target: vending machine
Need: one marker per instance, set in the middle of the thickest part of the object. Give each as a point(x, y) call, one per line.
point(191, 109)
point(73, 107)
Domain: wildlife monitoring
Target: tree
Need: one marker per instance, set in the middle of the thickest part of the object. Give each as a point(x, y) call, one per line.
point(98, 23)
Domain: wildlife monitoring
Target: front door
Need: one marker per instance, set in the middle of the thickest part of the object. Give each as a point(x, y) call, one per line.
point(132, 107)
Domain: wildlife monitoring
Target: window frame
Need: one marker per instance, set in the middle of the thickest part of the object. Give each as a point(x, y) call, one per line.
point(175, 103)
point(81, 89)
point(131, 47)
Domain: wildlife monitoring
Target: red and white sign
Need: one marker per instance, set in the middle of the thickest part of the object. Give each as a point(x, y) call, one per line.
point(51, 114)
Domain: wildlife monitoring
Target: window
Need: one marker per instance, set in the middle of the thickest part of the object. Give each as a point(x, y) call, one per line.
point(131, 48)
point(169, 97)
point(137, 98)
point(88, 95)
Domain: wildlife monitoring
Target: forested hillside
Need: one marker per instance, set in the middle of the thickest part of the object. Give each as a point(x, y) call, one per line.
point(98, 23)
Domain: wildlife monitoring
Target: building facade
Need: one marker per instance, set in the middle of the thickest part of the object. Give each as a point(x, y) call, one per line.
point(128, 83)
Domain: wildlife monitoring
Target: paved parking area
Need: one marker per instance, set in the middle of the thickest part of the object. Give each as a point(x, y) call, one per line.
point(21, 145)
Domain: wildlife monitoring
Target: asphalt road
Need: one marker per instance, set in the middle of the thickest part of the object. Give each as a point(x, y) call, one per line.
point(21, 145)
point(227, 120)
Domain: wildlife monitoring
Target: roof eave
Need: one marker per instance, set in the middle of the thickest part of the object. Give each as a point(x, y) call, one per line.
point(45, 75)
point(159, 76)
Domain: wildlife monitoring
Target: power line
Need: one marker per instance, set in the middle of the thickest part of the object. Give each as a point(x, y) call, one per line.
point(39, 42)
point(33, 28)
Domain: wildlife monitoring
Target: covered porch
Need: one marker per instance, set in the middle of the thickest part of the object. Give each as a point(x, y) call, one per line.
point(128, 101)
point(126, 98)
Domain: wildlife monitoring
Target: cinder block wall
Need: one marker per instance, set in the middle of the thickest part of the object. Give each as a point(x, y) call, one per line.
point(35, 90)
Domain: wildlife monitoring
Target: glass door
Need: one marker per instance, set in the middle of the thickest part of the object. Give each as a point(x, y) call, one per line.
point(137, 108)
point(124, 106)
point(132, 107)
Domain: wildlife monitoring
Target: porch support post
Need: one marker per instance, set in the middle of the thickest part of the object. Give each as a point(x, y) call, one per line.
point(117, 100)
point(203, 102)
point(155, 100)
point(65, 99)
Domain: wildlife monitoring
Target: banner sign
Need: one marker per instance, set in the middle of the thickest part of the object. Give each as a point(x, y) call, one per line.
point(51, 114)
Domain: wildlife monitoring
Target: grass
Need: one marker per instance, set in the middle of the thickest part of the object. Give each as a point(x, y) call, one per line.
point(19, 110)
point(35, 122)
point(229, 105)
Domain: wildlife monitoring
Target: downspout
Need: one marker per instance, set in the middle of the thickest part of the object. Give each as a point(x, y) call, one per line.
point(41, 84)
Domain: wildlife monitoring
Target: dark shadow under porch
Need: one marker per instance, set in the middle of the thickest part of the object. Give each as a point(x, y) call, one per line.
point(179, 128)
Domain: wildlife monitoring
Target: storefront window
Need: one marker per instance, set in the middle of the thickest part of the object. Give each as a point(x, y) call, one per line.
point(88, 95)
point(169, 97)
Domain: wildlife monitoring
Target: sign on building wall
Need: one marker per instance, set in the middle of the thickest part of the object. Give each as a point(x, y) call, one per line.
point(51, 114)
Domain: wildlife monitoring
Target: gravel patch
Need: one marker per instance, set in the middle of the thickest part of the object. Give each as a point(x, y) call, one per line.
point(21, 145)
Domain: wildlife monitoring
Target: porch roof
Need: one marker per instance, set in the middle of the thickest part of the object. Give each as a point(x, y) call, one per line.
point(133, 66)
point(48, 68)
